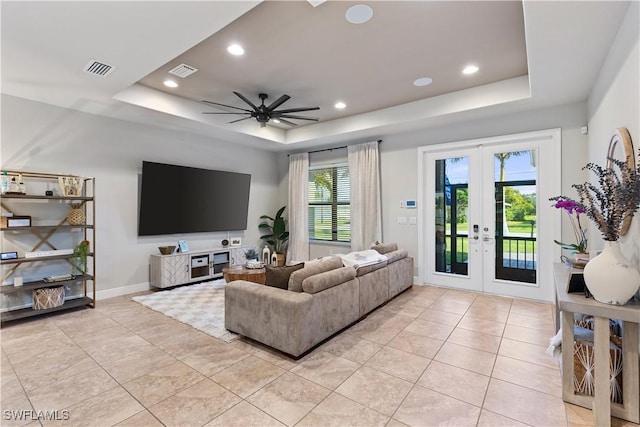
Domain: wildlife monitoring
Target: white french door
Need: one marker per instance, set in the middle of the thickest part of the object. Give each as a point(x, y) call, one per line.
point(486, 223)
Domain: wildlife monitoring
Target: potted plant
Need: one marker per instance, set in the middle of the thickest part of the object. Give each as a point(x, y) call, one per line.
point(79, 258)
point(251, 254)
point(276, 235)
point(607, 202)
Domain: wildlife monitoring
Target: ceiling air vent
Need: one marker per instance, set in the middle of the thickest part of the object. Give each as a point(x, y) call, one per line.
point(183, 70)
point(98, 68)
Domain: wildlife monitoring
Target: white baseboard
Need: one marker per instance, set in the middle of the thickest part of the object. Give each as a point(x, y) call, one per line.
point(122, 290)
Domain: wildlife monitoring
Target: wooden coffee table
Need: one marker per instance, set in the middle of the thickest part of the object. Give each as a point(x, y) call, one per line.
point(239, 272)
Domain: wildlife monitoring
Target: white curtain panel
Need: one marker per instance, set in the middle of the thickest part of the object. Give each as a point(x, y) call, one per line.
point(364, 173)
point(298, 207)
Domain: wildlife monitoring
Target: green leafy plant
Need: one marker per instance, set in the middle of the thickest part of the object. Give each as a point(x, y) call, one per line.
point(79, 258)
point(275, 228)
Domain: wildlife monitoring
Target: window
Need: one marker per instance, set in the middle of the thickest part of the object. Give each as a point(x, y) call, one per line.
point(330, 203)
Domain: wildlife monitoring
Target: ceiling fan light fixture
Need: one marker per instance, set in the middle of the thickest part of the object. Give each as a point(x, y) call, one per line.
point(422, 81)
point(235, 49)
point(170, 83)
point(340, 105)
point(359, 14)
point(470, 69)
point(276, 121)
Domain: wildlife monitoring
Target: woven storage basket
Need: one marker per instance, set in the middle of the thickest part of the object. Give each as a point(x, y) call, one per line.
point(48, 298)
point(584, 369)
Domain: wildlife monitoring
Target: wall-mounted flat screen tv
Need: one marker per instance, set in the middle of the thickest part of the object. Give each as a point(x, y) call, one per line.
point(179, 199)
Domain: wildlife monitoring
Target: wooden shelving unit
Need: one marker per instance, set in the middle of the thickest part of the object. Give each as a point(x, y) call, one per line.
point(43, 234)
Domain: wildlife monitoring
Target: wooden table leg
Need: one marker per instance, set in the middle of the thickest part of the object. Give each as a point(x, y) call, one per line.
point(567, 357)
point(601, 355)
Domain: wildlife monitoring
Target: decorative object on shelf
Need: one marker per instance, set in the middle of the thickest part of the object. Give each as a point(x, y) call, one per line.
point(251, 254)
point(253, 264)
point(182, 244)
point(70, 185)
point(18, 281)
point(274, 259)
point(277, 235)
point(266, 255)
point(609, 203)
point(236, 241)
point(79, 257)
point(610, 277)
point(76, 215)
point(225, 243)
point(166, 250)
point(8, 255)
point(48, 193)
point(45, 298)
point(15, 221)
point(580, 234)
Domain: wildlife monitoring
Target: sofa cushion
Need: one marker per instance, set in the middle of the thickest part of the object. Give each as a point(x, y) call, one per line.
point(296, 278)
point(383, 248)
point(396, 255)
point(369, 268)
point(328, 279)
point(278, 277)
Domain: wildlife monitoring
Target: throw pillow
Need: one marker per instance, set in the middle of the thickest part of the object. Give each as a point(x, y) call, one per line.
point(278, 277)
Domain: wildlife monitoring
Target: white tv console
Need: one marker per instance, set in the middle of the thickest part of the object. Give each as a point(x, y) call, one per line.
point(194, 266)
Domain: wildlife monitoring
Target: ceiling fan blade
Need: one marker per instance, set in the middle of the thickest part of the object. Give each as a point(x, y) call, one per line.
point(241, 96)
point(297, 110)
point(212, 112)
point(224, 105)
point(287, 122)
point(289, 116)
point(239, 120)
point(278, 102)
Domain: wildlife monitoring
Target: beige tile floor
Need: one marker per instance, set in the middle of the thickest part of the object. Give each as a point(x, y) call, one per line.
point(431, 356)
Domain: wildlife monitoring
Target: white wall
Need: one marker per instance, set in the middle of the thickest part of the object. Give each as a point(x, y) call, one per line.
point(399, 163)
point(615, 102)
point(41, 138)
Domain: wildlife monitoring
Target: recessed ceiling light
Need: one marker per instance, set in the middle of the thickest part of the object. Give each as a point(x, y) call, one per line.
point(470, 69)
point(359, 14)
point(170, 83)
point(235, 49)
point(340, 105)
point(422, 81)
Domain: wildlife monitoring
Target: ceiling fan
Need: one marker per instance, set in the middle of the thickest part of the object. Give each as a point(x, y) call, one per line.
point(263, 113)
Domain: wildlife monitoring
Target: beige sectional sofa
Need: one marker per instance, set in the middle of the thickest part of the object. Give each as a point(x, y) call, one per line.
point(322, 298)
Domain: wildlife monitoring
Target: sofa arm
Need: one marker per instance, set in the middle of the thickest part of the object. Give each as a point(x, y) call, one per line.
point(266, 314)
point(397, 255)
point(328, 279)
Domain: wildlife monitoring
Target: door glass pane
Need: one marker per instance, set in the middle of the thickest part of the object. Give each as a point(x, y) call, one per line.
point(516, 216)
point(451, 224)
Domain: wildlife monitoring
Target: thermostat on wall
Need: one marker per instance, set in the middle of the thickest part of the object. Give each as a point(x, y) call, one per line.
point(410, 204)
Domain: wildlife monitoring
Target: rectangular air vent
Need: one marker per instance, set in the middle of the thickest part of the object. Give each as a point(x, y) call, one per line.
point(183, 70)
point(98, 68)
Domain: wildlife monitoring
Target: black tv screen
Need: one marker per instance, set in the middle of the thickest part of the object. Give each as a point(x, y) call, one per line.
point(179, 199)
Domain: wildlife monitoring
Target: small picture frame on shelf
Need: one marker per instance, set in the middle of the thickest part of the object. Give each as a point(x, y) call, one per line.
point(182, 244)
point(235, 241)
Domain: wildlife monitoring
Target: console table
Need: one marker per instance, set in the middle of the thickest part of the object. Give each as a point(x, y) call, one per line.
point(629, 314)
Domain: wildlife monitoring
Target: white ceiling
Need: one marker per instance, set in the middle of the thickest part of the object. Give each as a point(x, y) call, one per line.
point(312, 54)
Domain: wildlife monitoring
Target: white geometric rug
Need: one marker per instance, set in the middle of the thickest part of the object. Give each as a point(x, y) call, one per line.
point(200, 306)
